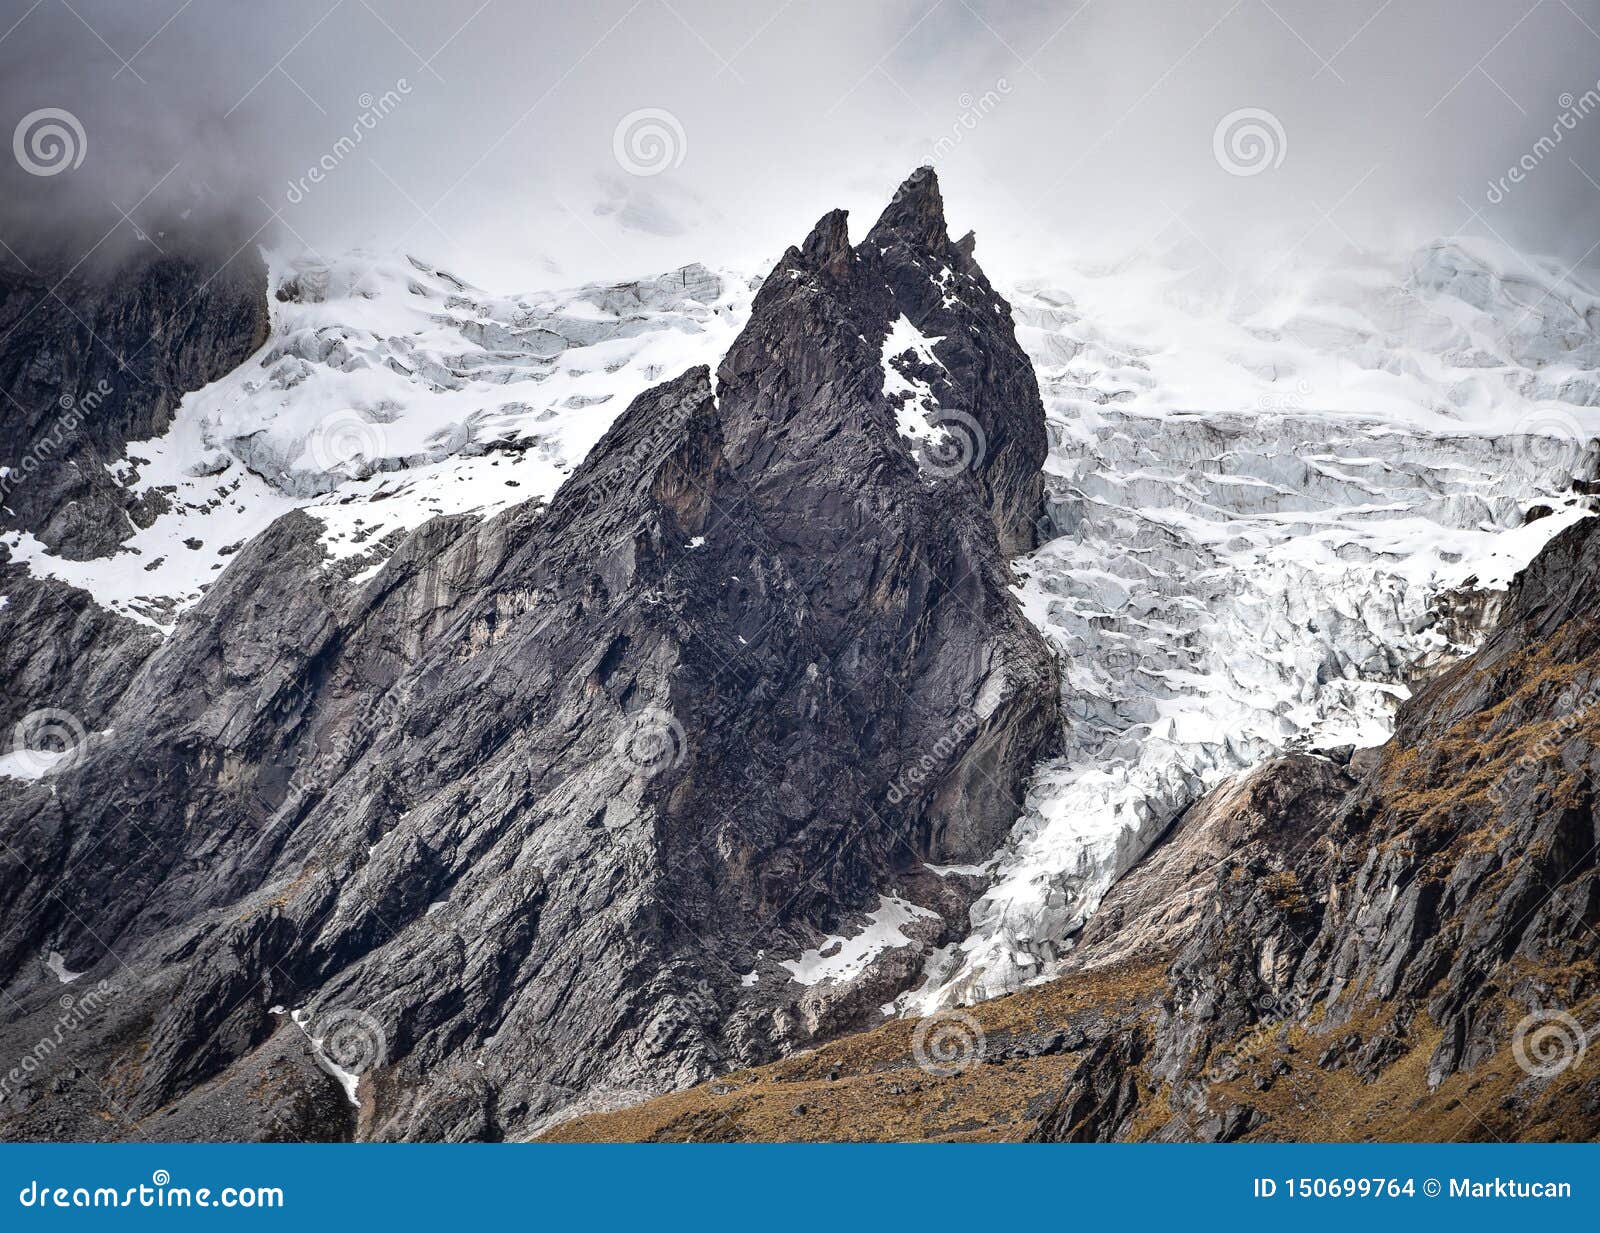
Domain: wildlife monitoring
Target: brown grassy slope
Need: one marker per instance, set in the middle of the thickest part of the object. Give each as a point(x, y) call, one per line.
point(869, 1086)
point(878, 1092)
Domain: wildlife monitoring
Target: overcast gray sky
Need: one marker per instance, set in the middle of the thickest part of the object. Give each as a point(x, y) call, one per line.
point(1084, 126)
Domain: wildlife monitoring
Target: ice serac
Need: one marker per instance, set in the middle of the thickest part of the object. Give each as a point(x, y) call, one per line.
point(1397, 944)
point(1263, 533)
point(535, 814)
point(1421, 920)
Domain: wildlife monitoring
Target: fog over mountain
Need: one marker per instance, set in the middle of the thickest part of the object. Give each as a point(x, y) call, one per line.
point(488, 132)
point(541, 594)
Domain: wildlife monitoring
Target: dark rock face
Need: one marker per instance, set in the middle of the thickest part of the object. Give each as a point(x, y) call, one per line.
point(59, 649)
point(1440, 899)
point(91, 358)
point(96, 356)
point(531, 816)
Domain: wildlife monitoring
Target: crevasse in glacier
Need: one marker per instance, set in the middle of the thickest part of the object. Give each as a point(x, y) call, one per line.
point(1269, 514)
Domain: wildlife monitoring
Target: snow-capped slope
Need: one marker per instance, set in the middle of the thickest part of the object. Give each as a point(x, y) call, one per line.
point(1270, 503)
point(389, 392)
point(1266, 523)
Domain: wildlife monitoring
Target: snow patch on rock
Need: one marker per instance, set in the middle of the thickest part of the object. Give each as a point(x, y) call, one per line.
point(840, 959)
point(390, 392)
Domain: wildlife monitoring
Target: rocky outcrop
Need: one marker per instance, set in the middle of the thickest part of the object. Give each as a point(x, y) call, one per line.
point(99, 353)
point(1395, 943)
point(59, 650)
point(95, 354)
point(1428, 912)
point(528, 818)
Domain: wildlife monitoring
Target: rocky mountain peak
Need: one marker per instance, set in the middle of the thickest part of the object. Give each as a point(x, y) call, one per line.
point(923, 374)
point(914, 215)
point(594, 768)
point(827, 248)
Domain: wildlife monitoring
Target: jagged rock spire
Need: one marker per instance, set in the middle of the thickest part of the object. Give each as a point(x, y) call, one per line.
point(827, 248)
point(915, 212)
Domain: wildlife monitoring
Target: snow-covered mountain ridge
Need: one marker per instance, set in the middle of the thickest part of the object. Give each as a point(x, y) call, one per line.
point(1263, 500)
point(389, 392)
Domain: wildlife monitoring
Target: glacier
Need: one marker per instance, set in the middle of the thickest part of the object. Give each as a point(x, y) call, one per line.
point(390, 391)
point(1271, 510)
point(1273, 503)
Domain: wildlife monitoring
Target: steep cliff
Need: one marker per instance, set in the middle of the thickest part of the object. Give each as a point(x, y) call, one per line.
point(97, 353)
point(531, 817)
point(1398, 945)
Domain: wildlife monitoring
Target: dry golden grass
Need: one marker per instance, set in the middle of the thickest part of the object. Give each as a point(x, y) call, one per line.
point(880, 1092)
point(881, 1095)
